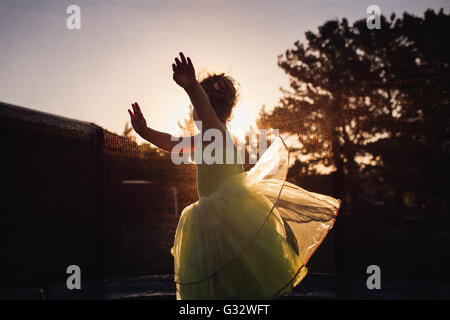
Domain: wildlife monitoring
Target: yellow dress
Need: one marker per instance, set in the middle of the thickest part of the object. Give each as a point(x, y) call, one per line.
point(250, 234)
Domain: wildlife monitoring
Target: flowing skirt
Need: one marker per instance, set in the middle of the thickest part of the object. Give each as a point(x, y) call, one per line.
point(252, 237)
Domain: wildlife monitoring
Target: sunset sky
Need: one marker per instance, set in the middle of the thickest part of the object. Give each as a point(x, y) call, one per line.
point(124, 50)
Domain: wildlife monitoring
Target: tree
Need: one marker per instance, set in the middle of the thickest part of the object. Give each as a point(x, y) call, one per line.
point(127, 130)
point(354, 93)
point(187, 126)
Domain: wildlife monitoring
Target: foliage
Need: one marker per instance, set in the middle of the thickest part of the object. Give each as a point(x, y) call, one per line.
point(381, 95)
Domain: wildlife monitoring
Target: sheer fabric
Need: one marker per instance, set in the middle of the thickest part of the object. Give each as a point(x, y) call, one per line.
point(251, 235)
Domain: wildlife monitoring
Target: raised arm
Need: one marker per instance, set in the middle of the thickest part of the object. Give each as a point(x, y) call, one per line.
point(160, 139)
point(184, 76)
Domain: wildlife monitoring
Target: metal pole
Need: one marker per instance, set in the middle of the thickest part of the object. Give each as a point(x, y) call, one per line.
point(98, 208)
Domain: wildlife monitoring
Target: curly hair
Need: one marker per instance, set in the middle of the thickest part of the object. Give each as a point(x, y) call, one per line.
point(222, 93)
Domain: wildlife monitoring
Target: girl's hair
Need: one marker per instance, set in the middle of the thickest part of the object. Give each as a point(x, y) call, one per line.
point(222, 93)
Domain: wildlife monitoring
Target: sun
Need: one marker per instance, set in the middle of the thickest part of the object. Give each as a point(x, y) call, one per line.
point(242, 119)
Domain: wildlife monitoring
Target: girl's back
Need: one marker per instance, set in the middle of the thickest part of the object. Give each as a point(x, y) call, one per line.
point(210, 176)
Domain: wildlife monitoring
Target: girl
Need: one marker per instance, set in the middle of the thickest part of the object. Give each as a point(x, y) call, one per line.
point(250, 234)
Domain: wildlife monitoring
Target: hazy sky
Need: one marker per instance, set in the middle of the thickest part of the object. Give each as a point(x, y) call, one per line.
point(124, 50)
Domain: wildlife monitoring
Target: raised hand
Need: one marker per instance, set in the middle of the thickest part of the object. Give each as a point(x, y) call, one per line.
point(183, 72)
point(137, 119)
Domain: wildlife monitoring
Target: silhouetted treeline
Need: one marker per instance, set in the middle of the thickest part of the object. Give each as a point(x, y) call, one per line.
point(373, 105)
